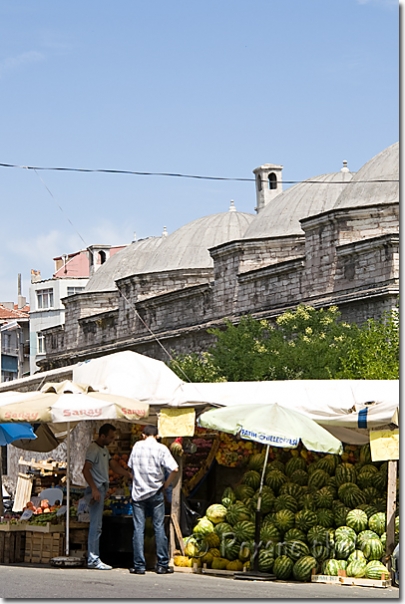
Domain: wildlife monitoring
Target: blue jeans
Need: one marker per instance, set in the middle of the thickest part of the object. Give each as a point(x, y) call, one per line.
point(96, 524)
point(156, 506)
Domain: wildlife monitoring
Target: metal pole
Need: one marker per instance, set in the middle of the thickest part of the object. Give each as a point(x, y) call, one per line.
point(258, 513)
point(68, 489)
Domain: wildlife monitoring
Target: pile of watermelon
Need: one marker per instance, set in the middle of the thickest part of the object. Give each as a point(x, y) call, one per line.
point(325, 514)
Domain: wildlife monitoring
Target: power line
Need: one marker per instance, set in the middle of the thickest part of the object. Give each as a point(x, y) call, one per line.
point(192, 176)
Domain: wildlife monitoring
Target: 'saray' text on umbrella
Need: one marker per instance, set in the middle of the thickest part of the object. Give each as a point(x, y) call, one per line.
point(82, 412)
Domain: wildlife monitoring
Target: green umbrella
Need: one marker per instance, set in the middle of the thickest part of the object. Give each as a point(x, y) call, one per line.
point(271, 425)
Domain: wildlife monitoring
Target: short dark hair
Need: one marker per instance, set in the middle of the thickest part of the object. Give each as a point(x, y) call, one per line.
point(106, 429)
point(150, 430)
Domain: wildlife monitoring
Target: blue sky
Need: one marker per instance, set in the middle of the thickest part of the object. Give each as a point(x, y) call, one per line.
point(210, 88)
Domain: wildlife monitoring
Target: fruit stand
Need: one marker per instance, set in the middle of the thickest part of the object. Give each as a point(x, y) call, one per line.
point(322, 516)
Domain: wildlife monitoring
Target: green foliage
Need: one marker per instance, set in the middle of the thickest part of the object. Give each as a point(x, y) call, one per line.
point(302, 344)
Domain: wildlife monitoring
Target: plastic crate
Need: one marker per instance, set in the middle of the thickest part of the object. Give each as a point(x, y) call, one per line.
point(121, 509)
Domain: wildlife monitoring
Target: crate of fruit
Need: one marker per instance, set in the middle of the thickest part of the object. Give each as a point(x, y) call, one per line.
point(41, 547)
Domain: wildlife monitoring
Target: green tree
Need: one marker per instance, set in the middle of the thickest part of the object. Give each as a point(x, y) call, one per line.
point(301, 344)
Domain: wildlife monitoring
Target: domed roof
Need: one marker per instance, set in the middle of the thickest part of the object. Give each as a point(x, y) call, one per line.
point(188, 246)
point(126, 262)
point(282, 215)
point(384, 166)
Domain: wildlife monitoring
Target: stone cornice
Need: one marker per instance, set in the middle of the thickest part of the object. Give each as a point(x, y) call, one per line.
point(272, 270)
point(335, 213)
point(365, 245)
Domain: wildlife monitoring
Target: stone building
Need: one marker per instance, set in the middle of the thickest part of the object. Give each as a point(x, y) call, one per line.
point(332, 239)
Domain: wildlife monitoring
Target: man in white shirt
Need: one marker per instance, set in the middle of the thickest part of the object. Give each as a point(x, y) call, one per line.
point(148, 462)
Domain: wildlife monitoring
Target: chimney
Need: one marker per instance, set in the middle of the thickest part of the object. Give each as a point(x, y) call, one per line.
point(269, 184)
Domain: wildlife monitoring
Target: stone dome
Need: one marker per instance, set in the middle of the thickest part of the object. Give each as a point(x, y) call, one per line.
point(187, 248)
point(384, 166)
point(127, 261)
point(282, 216)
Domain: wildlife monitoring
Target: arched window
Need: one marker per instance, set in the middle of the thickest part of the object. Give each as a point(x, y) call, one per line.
point(101, 257)
point(272, 181)
point(259, 182)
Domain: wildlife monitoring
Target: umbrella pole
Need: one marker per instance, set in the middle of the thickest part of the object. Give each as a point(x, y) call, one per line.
point(258, 513)
point(68, 489)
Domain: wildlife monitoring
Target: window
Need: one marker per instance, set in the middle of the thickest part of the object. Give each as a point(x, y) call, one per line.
point(45, 298)
point(41, 343)
point(6, 343)
point(102, 257)
point(74, 290)
point(272, 181)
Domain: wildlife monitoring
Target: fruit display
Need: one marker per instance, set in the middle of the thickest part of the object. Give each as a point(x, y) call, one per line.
point(318, 512)
point(233, 452)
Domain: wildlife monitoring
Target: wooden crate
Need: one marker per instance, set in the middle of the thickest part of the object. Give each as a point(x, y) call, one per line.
point(8, 527)
point(12, 546)
point(45, 528)
point(341, 580)
point(78, 538)
point(41, 547)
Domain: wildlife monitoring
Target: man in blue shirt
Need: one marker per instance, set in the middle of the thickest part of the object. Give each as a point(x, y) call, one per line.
point(95, 470)
point(149, 460)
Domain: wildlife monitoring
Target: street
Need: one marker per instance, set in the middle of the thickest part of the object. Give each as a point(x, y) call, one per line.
point(27, 581)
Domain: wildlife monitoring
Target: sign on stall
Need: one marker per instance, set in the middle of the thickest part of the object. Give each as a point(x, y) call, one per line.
point(384, 445)
point(176, 422)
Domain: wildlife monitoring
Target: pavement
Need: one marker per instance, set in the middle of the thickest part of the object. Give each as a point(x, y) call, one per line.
point(28, 581)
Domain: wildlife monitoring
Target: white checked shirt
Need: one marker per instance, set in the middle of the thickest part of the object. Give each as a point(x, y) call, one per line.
point(148, 462)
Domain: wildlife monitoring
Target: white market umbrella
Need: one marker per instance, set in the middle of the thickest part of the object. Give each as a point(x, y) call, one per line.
point(272, 425)
point(65, 403)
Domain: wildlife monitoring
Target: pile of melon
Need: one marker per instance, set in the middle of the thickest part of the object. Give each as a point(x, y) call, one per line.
point(327, 515)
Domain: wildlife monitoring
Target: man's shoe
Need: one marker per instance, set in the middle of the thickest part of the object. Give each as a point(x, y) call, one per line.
point(137, 571)
point(99, 566)
point(164, 570)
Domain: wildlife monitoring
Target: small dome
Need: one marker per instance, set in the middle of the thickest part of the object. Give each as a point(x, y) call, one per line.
point(384, 166)
point(188, 246)
point(126, 262)
point(282, 216)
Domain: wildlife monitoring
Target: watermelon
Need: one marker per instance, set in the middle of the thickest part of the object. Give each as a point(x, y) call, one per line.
point(203, 526)
point(373, 549)
point(295, 549)
point(324, 497)
point(268, 500)
point(365, 454)
point(381, 504)
point(343, 548)
point(368, 468)
point(364, 535)
point(331, 567)
point(285, 502)
point(319, 551)
point(299, 477)
point(295, 534)
point(325, 517)
point(216, 513)
point(376, 570)
point(368, 508)
point(340, 516)
point(345, 472)
point(256, 462)
point(383, 540)
point(266, 561)
point(284, 520)
point(342, 564)
point(294, 464)
point(365, 479)
point(269, 532)
point(318, 534)
point(356, 555)
point(302, 569)
point(357, 520)
point(371, 494)
point(219, 563)
point(292, 489)
point(275, 480)
point(245, 551)
point(377, 523)
point(244, 530)
point(351, 495)
point(282, 567)
point(244, 492)
point(318, 479)
point(308, 502)
point(223, 528)
point(237, 512)
point(305, 519)
point(357, 568)
point(252, 479)
point(226, 501)
point(327, 464)
point(380, 481)
point(191, 546)
point(345, 532)
point(229, 494)
point(276, 464)
point(229, 549)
